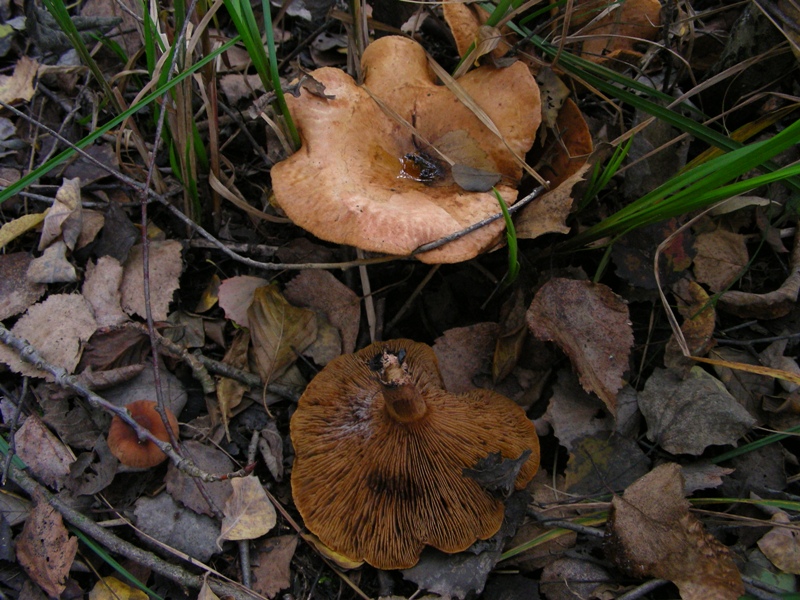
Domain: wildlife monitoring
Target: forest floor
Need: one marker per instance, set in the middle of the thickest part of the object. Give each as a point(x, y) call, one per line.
point(173, 233)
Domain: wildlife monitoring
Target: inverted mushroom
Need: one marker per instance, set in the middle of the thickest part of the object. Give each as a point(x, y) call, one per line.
point(380, 453)
point(365, 179)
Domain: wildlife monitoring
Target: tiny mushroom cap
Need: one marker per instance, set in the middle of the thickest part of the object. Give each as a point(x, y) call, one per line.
point(381, 448)
point(126, 445)
point(365, 178)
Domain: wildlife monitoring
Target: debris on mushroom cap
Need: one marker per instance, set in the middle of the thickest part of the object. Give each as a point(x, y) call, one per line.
point(347, 183)
point(381, 449)
point(125, 444)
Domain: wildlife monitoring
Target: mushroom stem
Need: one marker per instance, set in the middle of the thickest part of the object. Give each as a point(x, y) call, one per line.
point(403, 401)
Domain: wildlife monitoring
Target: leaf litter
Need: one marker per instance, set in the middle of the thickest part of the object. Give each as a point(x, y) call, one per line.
point(614, 400)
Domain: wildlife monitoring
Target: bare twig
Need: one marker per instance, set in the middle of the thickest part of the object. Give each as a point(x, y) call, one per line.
point(120, 546)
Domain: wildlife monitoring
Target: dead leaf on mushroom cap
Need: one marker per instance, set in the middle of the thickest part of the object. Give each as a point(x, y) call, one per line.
point(345, 185)
point(377, 479)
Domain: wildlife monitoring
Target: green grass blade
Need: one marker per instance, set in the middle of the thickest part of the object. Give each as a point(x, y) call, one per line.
point(511, 239)
point(109, 560)
point(22, 183)
point(266, 66)
point(698, 188)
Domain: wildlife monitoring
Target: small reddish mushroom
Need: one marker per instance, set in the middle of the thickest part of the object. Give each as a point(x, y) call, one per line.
point(126, 445)
point(381, 450)
point(369, 173)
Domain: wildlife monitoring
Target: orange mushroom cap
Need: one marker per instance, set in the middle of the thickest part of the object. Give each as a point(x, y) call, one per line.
point(380, 452)
point(355, 180)
point(125, 444)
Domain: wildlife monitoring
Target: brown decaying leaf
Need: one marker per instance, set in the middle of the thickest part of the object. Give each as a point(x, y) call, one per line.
point(769, 305)
point(44, 548)
point(57, 328)
point(685, 416)
point(603, 462)
point(573, 413)
point(236, 295)
point(781, 545)
point(279, 331)
point(230, 391)
point(549, 213)
point(248, 512)
point(570, 147)
point(650, 533)
point(17, 293)
point(570, 578)
point(554, 93)
point(321, 291)
point(615, 35)
point(44, 453)
point(271, 572)
point(163, 519)
point(165, 269)
point(185, 489)
point(590, 324)
point(699, 321)
point(464, 352)
point(721, 258)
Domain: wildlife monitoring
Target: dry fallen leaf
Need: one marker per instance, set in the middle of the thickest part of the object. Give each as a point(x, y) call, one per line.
point(57, 328)
point(46, 456)
point(13, 229)
point(19, 86)
point(101, 288)
point(685, 416)
point(650, 533)
point(165, 520)
point(185, 489)
point(52, 266)
point(699, 321)
point(111, 588)
point(231, 391)
point(721, 258)
point(573, 413)
point(17, 293)
point(617, 32)
point(64, 217)
point(321, 291)
point(44, 548)
point(248, 512)
point(279, 331)
point(463, 353)
point(781, 545)
point(165, 269)
point(571, 578)
point(590, 324)
point(236, 295)
point(603, 462)
point(271, 572)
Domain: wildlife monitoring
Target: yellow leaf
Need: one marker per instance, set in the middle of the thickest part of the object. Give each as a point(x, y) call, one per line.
point(279, 331)
point(111, 588)
point(13, 229)
point(248, 512)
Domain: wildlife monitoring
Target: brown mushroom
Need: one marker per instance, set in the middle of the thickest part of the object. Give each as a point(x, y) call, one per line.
point(380, 452)
point(126, 445)
point(365, 179)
